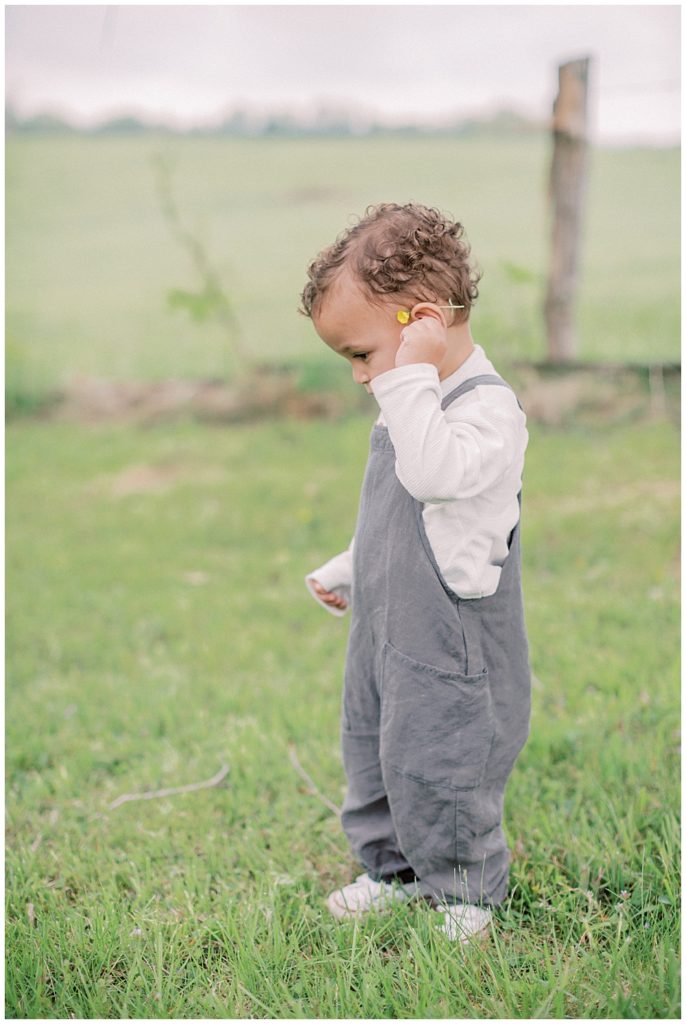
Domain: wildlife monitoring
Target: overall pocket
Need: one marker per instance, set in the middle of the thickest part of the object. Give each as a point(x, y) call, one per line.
point(436, 726)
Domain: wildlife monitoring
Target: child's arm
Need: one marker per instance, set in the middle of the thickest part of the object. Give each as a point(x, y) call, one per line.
point(331, 583)
point(451, 454)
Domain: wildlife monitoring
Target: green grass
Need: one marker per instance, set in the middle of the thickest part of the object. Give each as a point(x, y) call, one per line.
point(90, 259)
point(158, 625)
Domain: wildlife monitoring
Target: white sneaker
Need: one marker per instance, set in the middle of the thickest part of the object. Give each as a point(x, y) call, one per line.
point(365, 894)
point(463, 921)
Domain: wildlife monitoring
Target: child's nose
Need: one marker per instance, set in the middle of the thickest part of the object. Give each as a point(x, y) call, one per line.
point(360, 373)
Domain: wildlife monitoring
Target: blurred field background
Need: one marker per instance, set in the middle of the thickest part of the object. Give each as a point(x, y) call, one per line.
point(158, 625)
point(91, 258)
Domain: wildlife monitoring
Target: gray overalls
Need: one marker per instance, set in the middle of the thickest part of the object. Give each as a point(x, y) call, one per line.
point(436, 699)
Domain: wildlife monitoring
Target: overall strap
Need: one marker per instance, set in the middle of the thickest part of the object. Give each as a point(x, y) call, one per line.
point(472, 382)
point(469, 385)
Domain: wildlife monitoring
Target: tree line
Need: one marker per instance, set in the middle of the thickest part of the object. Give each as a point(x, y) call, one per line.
point(242, 122)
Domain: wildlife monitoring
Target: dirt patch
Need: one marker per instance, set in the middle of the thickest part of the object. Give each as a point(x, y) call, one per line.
point(153, 479)
point(555, 396)
point(266, 394)
point(561, 396)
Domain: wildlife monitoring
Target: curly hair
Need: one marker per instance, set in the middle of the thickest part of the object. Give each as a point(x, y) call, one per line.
point(412, 252)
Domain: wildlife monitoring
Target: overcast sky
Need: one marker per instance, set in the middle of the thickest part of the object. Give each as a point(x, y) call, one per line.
point(190, 63)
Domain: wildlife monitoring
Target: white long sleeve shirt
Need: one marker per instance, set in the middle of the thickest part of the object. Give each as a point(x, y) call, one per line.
point(464, 464)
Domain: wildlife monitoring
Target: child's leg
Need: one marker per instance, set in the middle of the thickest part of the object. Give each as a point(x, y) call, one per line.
point(449, 740)
point(455, 839)
point(366, 816)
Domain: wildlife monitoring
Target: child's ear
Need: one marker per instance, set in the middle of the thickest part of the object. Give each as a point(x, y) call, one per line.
point(422, 309)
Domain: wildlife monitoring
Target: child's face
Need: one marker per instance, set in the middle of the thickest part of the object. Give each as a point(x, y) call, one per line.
point(367, 336)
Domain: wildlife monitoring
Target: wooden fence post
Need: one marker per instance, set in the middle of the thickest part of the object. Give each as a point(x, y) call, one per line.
point(565, 199)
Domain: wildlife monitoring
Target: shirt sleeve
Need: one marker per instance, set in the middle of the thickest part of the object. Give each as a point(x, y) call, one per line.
point(444, 455)
point(335, 575)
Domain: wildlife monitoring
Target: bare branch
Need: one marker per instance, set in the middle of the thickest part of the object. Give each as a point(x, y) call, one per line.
point(301, 771)
point(154, 794)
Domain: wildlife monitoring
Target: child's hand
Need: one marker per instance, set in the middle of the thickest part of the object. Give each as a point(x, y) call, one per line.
point(423, 341)
point(328, 597)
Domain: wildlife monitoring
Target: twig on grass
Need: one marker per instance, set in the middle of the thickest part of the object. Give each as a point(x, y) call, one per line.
point(189, 788)
point(301, 771)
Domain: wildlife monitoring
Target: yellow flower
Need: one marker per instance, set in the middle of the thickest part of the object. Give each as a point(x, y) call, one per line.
point(402, 316)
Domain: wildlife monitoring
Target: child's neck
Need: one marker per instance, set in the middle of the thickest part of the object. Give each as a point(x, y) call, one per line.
point(460, 348)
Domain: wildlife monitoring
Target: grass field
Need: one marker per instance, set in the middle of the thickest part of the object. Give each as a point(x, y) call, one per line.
point(158, 626)
point(90, 258)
